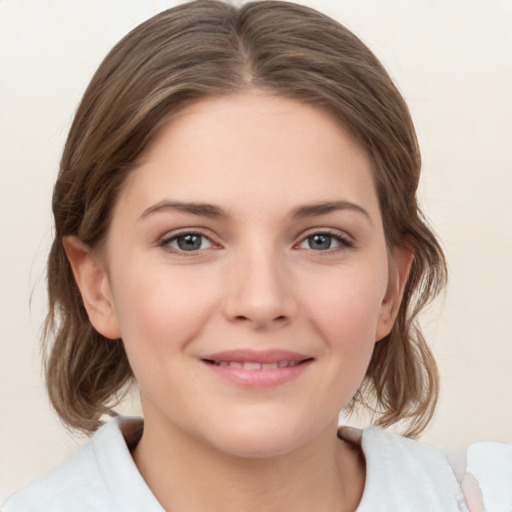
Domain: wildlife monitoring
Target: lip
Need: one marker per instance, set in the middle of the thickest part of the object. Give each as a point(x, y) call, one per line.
point(257, 369)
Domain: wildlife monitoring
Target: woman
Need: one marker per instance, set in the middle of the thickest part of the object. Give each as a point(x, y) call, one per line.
point(237, 231)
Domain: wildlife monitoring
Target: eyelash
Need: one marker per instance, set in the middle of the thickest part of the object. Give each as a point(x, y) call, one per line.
point(344, 242)
point(167, 240)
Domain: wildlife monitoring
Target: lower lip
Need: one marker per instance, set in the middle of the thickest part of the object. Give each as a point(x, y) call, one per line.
point(263, 378)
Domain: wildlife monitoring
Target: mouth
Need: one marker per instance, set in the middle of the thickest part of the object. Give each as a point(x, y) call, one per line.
point(258, 369)
point(254, 365)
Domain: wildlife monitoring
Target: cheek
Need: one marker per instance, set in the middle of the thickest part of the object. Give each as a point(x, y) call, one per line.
point(345, 304)
point(160, 309)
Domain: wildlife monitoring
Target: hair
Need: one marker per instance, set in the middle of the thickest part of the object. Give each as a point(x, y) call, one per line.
point(209, 48)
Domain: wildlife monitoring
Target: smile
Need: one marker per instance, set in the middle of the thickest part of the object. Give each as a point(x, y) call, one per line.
point(251, 365)
point(257, 369)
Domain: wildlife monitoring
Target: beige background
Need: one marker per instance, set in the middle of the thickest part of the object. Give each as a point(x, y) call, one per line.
point(452, 60)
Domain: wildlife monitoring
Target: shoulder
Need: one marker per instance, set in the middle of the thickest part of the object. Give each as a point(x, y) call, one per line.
point(488, 479)
point(403, 474)
point(94, 478)
point(54, 490)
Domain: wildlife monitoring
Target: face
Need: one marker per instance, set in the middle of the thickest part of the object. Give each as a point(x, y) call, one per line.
point(246, 271)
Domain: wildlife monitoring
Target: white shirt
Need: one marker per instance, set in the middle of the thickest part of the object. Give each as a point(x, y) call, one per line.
point(401, 476)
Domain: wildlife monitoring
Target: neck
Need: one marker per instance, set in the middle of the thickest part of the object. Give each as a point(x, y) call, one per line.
point(184, 473)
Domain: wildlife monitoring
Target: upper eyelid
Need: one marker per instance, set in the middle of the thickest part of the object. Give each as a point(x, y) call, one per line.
point(344, 235)
point(174, 234)
point(207, 233)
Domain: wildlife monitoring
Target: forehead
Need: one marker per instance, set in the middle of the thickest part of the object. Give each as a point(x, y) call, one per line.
point(277, 149)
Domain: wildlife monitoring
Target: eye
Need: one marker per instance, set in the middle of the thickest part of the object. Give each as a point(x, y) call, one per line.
point(324, 242)
point(187, 242)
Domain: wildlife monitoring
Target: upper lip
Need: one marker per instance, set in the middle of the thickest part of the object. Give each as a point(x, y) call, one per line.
point(256, 356)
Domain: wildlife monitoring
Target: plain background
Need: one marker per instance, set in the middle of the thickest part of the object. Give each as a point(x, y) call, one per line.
point(453, 62)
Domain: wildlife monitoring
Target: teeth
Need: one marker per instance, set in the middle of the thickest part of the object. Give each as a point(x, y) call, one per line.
point(250, 365)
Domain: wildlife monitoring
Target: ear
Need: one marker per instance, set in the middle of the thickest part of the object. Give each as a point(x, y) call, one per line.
point(93, 282)
point(400, 265)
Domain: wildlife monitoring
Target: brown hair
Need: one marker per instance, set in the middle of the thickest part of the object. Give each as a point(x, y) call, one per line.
point(205, 48)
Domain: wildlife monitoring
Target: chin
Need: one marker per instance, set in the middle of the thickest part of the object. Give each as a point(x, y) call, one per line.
point(256, 446)
point(264, 439)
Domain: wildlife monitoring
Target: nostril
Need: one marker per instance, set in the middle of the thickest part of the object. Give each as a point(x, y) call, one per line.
point(245, 318)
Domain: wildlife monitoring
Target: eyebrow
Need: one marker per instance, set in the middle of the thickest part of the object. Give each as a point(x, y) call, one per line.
point(201, 209)
point(316, 209)
point(213, 211)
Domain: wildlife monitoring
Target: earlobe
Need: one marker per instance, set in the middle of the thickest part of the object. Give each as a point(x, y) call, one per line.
point(93, 282)
point(398, 276)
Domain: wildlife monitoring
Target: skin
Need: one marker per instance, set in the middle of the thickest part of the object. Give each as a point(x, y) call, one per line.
point(258, 281)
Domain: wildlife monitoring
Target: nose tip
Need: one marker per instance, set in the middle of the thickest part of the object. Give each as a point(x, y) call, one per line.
point(259, 318)
point(260, 295)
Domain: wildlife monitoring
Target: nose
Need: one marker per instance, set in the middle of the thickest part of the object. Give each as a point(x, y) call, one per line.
point(260, 292)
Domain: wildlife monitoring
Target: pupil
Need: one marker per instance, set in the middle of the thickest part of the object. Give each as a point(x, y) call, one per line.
point(189, 242)
point(321, 242)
